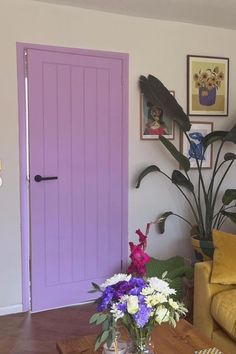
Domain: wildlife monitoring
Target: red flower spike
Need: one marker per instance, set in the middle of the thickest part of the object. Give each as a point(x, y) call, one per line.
point(139, 258)
point(142, 238)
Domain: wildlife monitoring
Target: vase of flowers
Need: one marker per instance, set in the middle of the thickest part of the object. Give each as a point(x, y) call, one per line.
point(139, 304)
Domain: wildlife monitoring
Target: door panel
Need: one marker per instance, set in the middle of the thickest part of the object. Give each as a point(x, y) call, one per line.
point(76, 132)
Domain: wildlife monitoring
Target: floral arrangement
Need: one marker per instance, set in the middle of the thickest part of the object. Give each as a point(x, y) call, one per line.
point(208, 79)
point(140, 304)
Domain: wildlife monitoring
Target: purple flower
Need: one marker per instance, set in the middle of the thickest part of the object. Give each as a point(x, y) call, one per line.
point(106, 299)
point(142, 316)
point(137, 285)
point(122, 288)
point(122, 307)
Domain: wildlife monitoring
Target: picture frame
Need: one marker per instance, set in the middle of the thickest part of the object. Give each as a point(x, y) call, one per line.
point(154, 122)
point(207, 86)
point(196, 133)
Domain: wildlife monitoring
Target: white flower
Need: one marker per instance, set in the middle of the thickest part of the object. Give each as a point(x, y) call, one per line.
point(162, 315)
point(169, 291)
point(153, 300)
point(147, 291)
point(173, 304)
point(116, 312)
point(115, 279)
point(132, 304)
point(161, 286)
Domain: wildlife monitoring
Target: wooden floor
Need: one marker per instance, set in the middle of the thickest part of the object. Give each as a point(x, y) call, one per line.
point(26, 333)
point(38, 333)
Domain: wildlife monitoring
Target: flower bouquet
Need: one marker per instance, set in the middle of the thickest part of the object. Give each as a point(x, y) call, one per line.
point(139, 304)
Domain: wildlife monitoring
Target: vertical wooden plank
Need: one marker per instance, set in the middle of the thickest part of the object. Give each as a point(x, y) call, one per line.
point(78, 175)
point(103, 170)
point(115, 148)
point(64, 171)
point(50, 168)
point(90, 121)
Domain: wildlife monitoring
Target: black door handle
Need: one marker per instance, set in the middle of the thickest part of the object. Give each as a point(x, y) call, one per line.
point(39, 178)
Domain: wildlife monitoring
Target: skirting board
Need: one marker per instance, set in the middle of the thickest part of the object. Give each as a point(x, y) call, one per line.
point(10, 309)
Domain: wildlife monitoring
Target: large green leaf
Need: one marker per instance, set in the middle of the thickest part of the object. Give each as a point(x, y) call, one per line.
point(230, 215)
point(179, 179)
point(229, 196)
point(94, 318)
point(229, 156)
point(213, 136)
point(149, 169)
point(101, 338)
point(231, 136)
point(162, 220)
point(183, 160)
point(101, 319)
point(157, 94)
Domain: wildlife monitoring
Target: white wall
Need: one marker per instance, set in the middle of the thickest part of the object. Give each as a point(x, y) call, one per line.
point(155, 47)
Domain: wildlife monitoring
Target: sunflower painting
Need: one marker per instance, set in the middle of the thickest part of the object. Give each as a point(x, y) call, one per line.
point(207, 83)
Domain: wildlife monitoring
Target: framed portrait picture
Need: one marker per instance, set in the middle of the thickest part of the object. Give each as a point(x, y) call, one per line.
point(154, 121)
point(207, 86)
point(195, 149)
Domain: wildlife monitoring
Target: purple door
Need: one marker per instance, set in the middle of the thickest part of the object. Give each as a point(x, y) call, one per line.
point(76, 136)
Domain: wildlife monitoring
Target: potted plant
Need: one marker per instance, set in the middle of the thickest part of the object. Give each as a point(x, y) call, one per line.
point(203, 197)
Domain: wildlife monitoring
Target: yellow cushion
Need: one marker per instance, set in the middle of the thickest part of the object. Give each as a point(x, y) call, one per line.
point(224, 259)
point(223, 310)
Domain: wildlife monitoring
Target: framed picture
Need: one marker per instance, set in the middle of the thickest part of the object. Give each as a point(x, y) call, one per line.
point(154, 122)
point(207, 86)
point(195, 149)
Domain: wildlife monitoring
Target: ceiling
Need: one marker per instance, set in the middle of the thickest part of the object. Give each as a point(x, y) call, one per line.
point(218, 13)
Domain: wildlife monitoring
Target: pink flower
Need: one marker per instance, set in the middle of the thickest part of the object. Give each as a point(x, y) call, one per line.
point(142, 238)
point(138, 259)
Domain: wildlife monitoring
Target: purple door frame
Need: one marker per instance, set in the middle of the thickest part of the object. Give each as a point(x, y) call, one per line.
point(24, 204)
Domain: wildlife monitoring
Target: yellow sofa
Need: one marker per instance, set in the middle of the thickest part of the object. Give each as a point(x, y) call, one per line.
point(215, 309)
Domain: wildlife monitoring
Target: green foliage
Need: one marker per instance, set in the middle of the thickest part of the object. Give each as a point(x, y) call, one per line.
point(229, 156)
point(217, 135)
point(146, 172)
point(176, 270)
point(158, 95)
point(162, 221)
point(230, 215)
point(180, 158)
point(179, 179)
point(229, 196)
point(108, 328)
point(202, 198)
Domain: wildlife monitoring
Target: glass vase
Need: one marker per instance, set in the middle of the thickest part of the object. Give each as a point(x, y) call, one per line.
point(140, 341)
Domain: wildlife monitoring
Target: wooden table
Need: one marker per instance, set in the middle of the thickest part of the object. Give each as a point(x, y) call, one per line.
point(184, 339)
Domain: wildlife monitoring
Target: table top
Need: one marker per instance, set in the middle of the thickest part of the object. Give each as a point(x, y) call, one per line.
point(184, 339)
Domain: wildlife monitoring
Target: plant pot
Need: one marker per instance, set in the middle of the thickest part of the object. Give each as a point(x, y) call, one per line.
point(207, 97)
point(203, 249)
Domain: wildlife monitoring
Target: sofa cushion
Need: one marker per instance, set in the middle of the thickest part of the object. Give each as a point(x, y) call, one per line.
point(223, 310)
point(224, 262)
